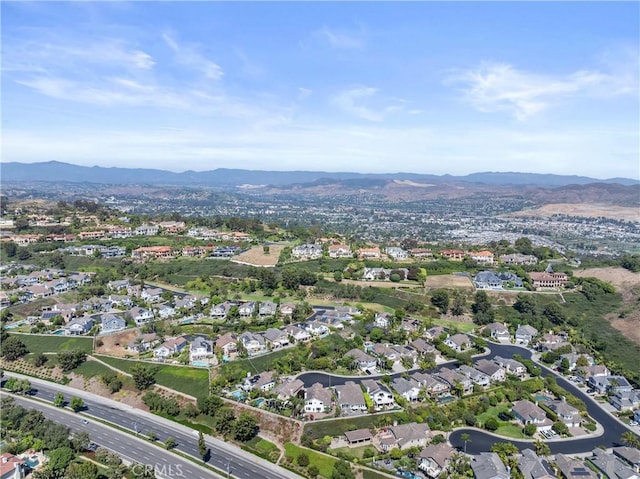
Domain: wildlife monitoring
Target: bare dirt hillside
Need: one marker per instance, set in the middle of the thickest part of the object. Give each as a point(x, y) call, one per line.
point(583, 209)
point(627, 320)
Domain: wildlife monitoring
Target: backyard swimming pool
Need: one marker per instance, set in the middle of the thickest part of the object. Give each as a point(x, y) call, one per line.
point(201, 364)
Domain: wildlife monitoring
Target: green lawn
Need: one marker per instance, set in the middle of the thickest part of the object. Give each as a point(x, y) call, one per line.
point(53, 344)
point(351, 451)
point(258, 364)
point(369, 474)
point(492, 412)
point(263, 448)
point(90, 369)
point(336, 427)
point(192, 381)
point(463, 327)
point(323, 463)
point(511, 430)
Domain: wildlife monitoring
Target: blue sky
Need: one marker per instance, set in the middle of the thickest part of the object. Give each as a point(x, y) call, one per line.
point(423, 87)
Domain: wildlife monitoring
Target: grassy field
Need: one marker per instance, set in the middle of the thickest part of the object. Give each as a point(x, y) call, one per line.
point(262, 448)
point(511, 430)
point(191, 381)
point(462, 326)
point(338, 427)
point(492, 412)
point(257, 257)
point(90, 369)
point(53, 344)
point(323, 463)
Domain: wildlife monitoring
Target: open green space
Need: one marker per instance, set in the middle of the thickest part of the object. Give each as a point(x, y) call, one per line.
point(492, 412)
point(511, 430)
point(191, 381)
point(52, 344)
point(90, 369)
point(323, 462)
point(369, 474)
point(336, 427)
point(262, 448)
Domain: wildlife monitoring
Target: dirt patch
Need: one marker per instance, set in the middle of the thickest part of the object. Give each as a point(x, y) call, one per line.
point(627, 319)
point(257, 257)
point(116, 344)
point(582, 209)
point(449, 281)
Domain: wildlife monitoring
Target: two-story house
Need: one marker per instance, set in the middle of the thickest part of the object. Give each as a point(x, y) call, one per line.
point(350, 397)
point(317, 399)
point(529, 413)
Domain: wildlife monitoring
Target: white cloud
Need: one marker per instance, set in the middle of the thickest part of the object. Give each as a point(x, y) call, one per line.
point(357, 102)
point(189, 56)
point(341, 39)
point(501, 87)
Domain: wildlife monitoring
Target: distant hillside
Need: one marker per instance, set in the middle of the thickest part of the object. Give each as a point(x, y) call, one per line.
point(55, 171)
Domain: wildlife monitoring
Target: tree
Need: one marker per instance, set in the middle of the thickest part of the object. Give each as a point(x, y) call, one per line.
point(76, 404)
point(81, 470)
point(303, 459)
point(313, 471)
point(481, 308)
point(440, 299)
point(459, 303)
point(554, 313)
point(224, 420)
point(561, 428)
point(530, 429)
point(170, 443)
point(245, 427)
point(60, 458)
point(523, 245)
point(39, 360)
point(59, 400)
point(69, 360)
point(630, 439)
point(564, 365)
point(80, 441)
point(491, 424)
point(342, 470)
point(465, 438)
point(541, 448)
point(13, 348)
point(143, 376)
point(202, 446)
point(526, 305)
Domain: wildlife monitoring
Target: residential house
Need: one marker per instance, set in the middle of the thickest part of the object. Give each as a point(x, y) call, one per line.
point(220, 311)
point(626, 400)
point(396, 253)
point(362, 359)
point(165, 311)
point(350, 397)
point(529, 413)
point(379, 393)
point(566, 413)
point(532, 467)
point(511, 366)
point(143, 343)
point(253, 343)
point(317, 399)
point(478, 377)
point(369, 253)
point(483, 257)
point(595, 371)
point(112, 322)
point(358, 437)
point(629, 455)
point(518, 259)
point(267, 308)
point(146, 230)
point(170, 347)
point(488, 465)
point(548, 280)
point(263, 382)
point(315, 328)
point(574, 468)
point(573, 358)
point(611, 466)
point(455, 380)
point(499, 332)
point(525, 334)
point(297, 334)
point(434, 459)
point(376, 274)
point(453, 254)
point(434, 387)
point(286, 309)
point(495, 372)
point(247, 309)
point(276, 339)
point(435, 332)
point(140, 315)
point(604, 384)
point(411, 325)
point(340, 251)
point(458, 342)
point(382, 320)
point(409, 389)
point(11, 467)
point(404, 436)
point(80, 325)
point(421, 252)
point(307, 251)
point(422, 347)
point(200, 348)
point(227, 343)
point(289, 389)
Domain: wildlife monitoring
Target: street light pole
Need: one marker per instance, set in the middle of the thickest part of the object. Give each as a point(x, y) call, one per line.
point(228, 469)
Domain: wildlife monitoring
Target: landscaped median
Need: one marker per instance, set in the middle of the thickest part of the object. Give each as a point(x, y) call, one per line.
point(323, 462)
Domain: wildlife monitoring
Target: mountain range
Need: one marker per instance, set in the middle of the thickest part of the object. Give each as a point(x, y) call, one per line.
point(55, 171)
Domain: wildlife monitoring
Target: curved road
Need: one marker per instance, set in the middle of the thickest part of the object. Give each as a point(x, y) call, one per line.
point(481, 441)
point(241, 464)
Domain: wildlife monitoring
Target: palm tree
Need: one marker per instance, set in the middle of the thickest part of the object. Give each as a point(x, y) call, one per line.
point(466, 438)
point(630, 439)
